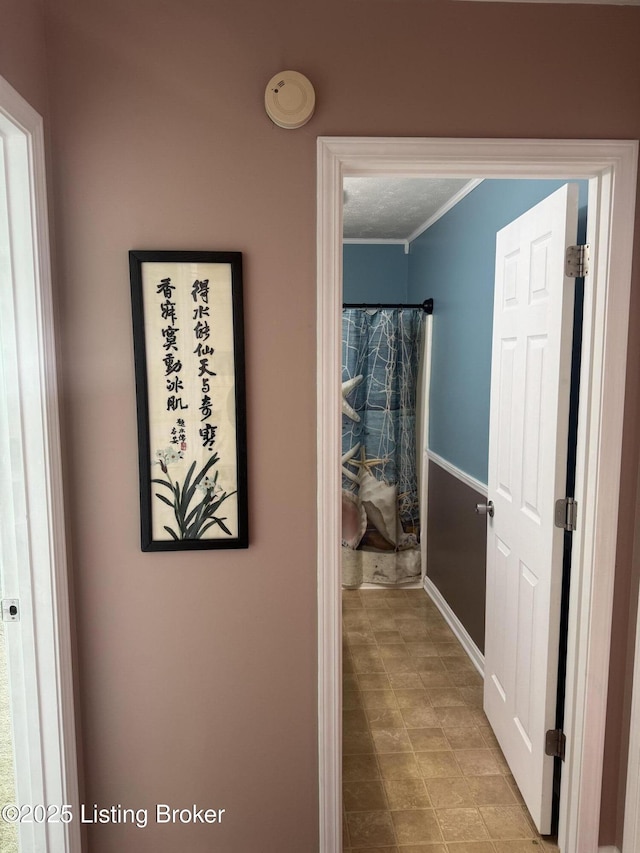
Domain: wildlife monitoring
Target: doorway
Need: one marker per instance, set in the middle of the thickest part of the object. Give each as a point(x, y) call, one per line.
point(35, 606)
point(605, 165)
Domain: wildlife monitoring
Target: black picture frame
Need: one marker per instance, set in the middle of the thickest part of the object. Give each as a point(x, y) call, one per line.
point(188, 336)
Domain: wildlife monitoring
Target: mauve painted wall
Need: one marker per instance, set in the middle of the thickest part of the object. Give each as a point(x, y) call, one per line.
point(197, 672)
point(22, 50)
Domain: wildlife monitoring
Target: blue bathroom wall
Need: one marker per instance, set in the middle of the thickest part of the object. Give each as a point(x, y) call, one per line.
point(453, 262)
point(374, 272)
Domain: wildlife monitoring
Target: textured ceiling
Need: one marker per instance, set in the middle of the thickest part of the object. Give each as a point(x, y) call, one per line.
point(393, 208)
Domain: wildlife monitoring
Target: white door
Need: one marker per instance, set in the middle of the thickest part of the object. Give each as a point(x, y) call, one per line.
point(530, 383)
point(40, 803)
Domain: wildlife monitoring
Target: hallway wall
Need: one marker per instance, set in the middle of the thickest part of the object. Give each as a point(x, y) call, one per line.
point(197, 671)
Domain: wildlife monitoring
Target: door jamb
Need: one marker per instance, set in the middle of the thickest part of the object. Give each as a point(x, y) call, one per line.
point(33, 538)
point(611, 167)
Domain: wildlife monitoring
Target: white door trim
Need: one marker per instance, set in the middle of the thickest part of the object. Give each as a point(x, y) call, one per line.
point(33, 529)
point(631, 835)
point(610, 165)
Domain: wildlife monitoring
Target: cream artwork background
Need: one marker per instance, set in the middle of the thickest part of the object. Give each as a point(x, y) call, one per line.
point(188, 322)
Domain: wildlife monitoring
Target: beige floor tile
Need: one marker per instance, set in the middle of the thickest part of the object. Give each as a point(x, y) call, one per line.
point(412, 630)
point(354, 721)
point(416, 826)
point(500, 761)
point(473, 696)
point(363, 797)
point(507, 822)
point(402, 765)
point(351, 699)
point(400, 665)
point(360, 768)
point(381, 620)
point(442, 634)
point(405, 680)
point(366, 659)
point(412, 697)
point(445, 697)
point(426, 739)
point(375, 850)
point(384, 718)
point(461, 825)
point(388, 637)
point(436, 678)
point(355, 620)
point(407, 794)
point(421, 649)
point(477, 762)
point(370, 828)
point(455, 717)
point(392, 650)
point(420, 718)
point(465, 738)
point(356, 743)
point(511, 782)
point(362, 637)
point(422, 770)
point(460, 664)
point(491, 791)
point(391, 740)
point(437, 764)
point(449, 793)
point(373, 681)
point(489, 737)
point(373, 602)
point(349, 681)
point(466, 678)
point(430, 664)
point(379, 699)
point(446, 650)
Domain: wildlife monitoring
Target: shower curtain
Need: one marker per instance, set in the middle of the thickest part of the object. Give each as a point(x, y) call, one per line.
point(380, 504)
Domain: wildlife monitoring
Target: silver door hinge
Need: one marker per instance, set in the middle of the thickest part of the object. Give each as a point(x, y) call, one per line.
point(577, 261)
point(555, 743)
point(10, 610)
point(566, 514)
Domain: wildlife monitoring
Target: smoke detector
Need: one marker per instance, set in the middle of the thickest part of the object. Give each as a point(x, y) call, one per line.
point(289, 99)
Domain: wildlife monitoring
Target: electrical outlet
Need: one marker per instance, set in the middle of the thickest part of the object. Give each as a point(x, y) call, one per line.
point(10, 610)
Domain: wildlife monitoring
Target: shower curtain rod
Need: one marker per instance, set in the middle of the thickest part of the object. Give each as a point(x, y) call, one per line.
point(427, 305)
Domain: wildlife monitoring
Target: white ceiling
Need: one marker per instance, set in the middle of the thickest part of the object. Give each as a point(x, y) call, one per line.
point(395, 208)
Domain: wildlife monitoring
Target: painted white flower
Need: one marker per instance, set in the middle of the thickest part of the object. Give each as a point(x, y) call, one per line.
point(207, 484)
point(168, 456)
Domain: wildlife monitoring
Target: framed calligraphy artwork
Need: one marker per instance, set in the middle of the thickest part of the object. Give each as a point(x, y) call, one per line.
point(189, 362)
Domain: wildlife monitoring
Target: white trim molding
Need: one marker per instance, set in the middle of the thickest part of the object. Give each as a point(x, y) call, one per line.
point(446, 207)
point(458, 473)
point(474, 653)
point(611, 168)
point(32, 540)
point(631, 834)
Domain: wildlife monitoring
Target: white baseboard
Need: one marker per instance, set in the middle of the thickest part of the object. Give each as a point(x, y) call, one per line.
point(610, 849)
point(476, 656)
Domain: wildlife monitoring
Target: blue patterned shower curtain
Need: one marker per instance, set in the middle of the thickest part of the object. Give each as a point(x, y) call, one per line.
point(380, 483)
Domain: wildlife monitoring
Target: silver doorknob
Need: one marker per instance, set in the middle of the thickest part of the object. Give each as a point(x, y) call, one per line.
point(485, 509)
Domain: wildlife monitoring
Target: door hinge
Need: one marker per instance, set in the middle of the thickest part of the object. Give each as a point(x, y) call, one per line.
point(555, 743)
point(577, 261)
point(566, 514)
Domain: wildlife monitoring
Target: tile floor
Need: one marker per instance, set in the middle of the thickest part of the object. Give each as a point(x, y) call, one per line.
point(422, 771)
